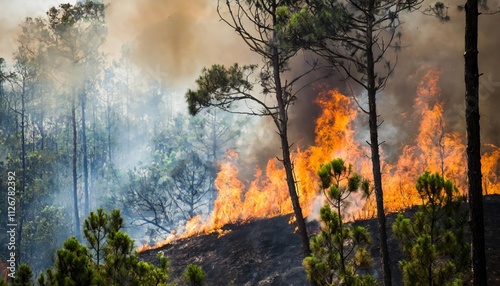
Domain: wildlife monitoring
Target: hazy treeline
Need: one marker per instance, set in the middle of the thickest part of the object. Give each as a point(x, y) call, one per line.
point(83, 130)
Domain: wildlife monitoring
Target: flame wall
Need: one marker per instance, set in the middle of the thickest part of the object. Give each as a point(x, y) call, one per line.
point(432, 148)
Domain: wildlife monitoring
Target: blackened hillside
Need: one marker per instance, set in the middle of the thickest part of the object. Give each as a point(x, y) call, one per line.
point(267, 252)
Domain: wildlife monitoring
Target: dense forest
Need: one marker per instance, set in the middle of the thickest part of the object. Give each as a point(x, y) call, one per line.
point(81, 130)
point(124, 127)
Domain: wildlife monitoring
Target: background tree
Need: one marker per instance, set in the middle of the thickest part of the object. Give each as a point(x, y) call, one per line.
point(256, 22)
point(149, 199)
point(76, 35)
point(28, 75)
point(339, 252)
point(178, 181)
point(434, 241)
point(26, 148)
point(192, 177)
point(42, 235)
point(5, 101)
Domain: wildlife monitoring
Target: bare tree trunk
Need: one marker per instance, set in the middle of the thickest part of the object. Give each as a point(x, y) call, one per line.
point(108, 117)
point(290, 180)
point(377, 179)
point(86, 208)
point(127, 112)
point(93, 158)
point(42, 130)
point(479, 274)
point(374, 145)
point(23, 162)
point(75, 178)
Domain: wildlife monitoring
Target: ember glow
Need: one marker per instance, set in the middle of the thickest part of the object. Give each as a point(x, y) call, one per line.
point(432, 149)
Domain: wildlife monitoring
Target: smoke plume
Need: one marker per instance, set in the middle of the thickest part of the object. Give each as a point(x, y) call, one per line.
point(175, 39)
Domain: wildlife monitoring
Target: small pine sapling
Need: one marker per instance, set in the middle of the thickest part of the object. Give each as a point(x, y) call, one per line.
point(339, 253)
point(194, 275)
point(434, 240)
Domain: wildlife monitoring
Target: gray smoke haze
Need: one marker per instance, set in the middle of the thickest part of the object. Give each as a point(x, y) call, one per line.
point(172, 40)
point(175, 39)
point(12, 13)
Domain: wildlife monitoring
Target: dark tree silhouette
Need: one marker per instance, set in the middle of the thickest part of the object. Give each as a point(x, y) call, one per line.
point(479, 275)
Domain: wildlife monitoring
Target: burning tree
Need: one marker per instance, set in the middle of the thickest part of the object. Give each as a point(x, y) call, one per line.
point(339, 252)
point(257, 23)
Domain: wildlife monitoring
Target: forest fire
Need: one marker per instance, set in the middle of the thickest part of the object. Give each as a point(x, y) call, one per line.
point(432, 149)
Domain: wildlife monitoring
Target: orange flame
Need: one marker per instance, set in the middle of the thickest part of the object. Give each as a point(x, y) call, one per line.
point(432, 149)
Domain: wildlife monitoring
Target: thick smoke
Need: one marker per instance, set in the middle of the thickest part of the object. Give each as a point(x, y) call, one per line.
point(174, 39)
point(429, 43)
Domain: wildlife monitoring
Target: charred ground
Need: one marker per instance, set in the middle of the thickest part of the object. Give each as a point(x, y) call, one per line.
point(268, 252)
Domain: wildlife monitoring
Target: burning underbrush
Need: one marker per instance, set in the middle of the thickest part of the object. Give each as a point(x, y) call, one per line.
point(433, 148)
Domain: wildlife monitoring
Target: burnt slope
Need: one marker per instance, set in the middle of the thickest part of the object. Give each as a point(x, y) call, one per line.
point(267, 252)
point(262, 252)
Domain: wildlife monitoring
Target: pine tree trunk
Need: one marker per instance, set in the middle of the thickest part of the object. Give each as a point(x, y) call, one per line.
point(379, 195)
point(42, 130)
point(108, 117)
point(23, 162)
point(282, 125)
point(75, 178)
point(127, 112)
point(374, 145)
point(86, 208)
point(479, 275)
point(290, 180)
